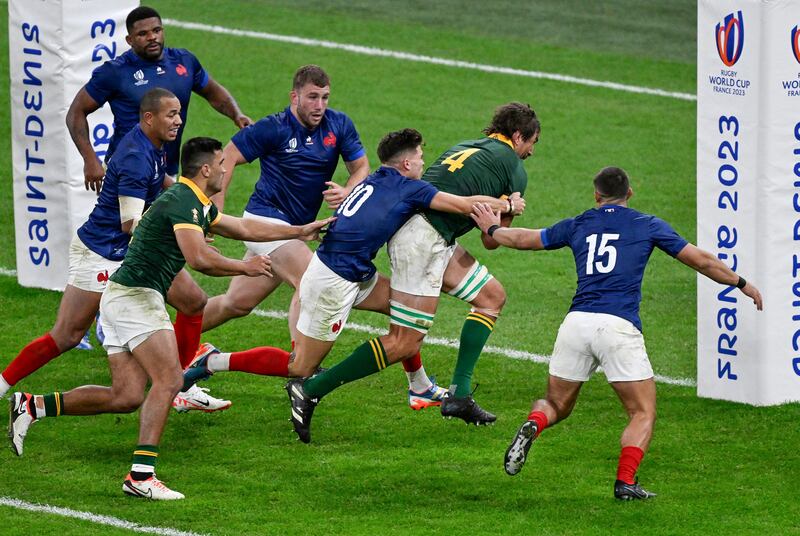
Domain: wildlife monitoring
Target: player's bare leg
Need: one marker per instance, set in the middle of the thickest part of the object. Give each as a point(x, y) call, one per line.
point(289, 263)
point(639, 400)
point(126, 394)
point(307, 355)
point(556, 406)
point(158, 357)
point(75, 315)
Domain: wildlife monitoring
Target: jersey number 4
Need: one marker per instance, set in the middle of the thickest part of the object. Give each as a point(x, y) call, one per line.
point(604, 249)
point(456, 160)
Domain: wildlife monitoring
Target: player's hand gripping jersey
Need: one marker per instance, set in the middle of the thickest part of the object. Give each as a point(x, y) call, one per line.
point(123, 81)
point(488, 166)
point(137, 170)
point(295, 162)
point(611, 245)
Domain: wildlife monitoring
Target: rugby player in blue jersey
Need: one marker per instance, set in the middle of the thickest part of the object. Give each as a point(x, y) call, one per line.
point(298, 149)
point(611, 245)
point(134, 178)
point(122, 82)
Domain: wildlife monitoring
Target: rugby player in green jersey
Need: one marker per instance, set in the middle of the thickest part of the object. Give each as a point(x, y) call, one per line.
point(139, 336)
point(426, 260)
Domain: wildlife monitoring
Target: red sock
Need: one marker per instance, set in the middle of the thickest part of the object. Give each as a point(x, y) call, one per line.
point(265, 360)
point(629, 460)
point(187, 333)
point(33, 357)
point(412, 364)
point(540, 419)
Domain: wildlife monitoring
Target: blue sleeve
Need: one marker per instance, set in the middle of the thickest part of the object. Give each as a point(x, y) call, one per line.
point(258, 139)
point(133, 176)
point(558, 235)
point(349, 142)
point(419, 193)
point(200, 76)
point(102, 86)
point(665, 237)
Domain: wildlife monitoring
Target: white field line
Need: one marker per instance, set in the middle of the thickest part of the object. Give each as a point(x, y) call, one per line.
point(407, 56)
point(453, 343)
point(93, 518)
point(439, 341)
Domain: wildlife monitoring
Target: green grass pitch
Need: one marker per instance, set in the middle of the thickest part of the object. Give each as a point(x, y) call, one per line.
point(376, 467)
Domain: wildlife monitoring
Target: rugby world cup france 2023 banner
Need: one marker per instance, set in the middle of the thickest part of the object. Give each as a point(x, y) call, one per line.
point(748, 197)
point(54, 45)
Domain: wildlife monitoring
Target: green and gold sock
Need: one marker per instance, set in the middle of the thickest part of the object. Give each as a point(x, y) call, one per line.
point(53, 405)
point(474, 334)
point(367, 359)
point(144, 462)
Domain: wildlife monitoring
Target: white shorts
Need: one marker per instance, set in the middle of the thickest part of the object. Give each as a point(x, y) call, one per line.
point(326, 300)
point(264, 248)
point(588, 340)
point(88, 270)
point(128, 315)
point(419, 256)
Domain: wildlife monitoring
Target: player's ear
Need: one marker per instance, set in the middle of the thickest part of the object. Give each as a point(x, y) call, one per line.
point(293, 97)
point(630, 193)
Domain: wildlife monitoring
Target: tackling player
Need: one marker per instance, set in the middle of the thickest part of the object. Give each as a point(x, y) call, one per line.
point(122, 82)
point(134, 178)
point(139, 336)
point(426, 260)
point(298, 150)
point(612, 245)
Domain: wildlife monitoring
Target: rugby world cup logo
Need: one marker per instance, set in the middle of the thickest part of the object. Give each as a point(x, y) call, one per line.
point(730, 38)
point(796, 43)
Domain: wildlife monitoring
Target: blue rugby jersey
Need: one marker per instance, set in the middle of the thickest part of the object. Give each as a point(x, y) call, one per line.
point(612, 245)
point(295, 162)
point(135, 170)
point(123, 81)
point(368, 218)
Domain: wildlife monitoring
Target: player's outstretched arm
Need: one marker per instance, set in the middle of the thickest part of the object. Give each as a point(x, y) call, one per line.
point(205, 259)
point(232, 158)
point(257, 231)
point(222, 101)
point(491, 225)
point(710, 266)
point(83, 105)
point(457, 204)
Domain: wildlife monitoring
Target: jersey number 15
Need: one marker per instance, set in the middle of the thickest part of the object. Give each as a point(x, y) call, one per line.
point(602, 250)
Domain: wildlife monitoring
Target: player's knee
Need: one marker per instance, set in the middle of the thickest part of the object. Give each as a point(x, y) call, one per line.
point(491, 299)
point(67, 337)
point(401, 344)
point(127, 401)
point(236, 308)
point(196, 305)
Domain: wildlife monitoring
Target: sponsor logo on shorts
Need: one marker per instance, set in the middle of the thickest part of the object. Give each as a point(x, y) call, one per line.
point(336, 327)
point(102, 277)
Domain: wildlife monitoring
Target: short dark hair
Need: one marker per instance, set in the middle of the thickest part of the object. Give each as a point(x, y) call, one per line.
point(513, 117)
point(151, 102)
point(140, 13)
point(612, 183)
point(197, 152)
point(396, 143)
point(310, 73)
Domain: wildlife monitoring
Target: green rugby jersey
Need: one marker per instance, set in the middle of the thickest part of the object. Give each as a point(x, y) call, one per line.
point(154, 258)
point(488, 166)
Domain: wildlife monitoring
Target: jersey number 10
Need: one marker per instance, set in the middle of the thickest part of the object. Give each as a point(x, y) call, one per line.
point(604, 249)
